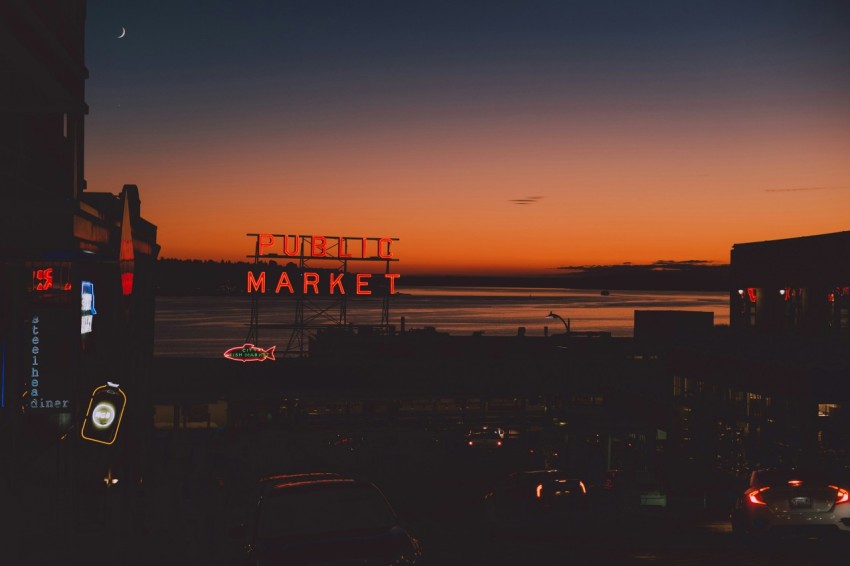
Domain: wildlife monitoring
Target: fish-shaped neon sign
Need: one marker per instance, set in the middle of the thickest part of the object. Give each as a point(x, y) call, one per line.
point(249, 353)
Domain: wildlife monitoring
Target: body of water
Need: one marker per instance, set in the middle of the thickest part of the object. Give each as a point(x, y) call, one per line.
point(207, 326)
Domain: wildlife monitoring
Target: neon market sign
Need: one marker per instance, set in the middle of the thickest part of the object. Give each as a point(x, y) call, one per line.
point(250, 353)
point(328, 247)
point(342, 249)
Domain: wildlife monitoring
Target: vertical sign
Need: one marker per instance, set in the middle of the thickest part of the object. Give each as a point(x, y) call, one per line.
point(48, 361)
point(103, 416)
point(87, 307)
point(125, 251)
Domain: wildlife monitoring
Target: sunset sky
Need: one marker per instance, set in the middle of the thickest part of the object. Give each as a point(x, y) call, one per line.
point(630, 131)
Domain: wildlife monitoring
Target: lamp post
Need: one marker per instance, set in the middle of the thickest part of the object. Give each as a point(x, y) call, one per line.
point(566, 322)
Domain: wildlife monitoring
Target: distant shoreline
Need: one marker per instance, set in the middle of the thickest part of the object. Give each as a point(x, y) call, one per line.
point(584, 282)
point(196, 277)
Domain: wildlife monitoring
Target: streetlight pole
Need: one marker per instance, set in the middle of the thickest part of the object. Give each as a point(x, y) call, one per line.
point(566, 322)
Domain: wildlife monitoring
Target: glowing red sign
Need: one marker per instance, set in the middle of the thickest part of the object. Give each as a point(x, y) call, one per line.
point(311, 283)
point(330, 247)
point(50, 278)
point(250, 353)
point(125, 251)
point(313, 247)
point(43, 279)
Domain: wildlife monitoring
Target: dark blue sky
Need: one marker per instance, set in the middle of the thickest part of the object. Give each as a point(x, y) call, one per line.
point(538, 79)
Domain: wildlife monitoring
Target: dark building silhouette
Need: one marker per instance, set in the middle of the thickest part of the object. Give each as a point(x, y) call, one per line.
point(773, 387)
point(76, 281)
point(793, 286)
point(672, 326)
point(42, 99)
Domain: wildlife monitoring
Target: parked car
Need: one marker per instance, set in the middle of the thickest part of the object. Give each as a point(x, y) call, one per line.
point(486, 437)
point(534, 498)
point(789, 499)
point(326, 518)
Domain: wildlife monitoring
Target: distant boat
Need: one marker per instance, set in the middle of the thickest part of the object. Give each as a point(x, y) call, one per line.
point(605, 292)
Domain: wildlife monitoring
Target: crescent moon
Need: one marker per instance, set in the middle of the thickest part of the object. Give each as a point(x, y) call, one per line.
point(123, 33)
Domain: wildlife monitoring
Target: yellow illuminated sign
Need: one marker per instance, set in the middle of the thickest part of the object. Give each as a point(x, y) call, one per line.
point(103, 416)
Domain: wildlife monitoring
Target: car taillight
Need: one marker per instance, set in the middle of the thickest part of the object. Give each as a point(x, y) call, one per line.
point(498, 443)
point(755, 496)
point(841, 496)
point(539, 490)
point(583, 488)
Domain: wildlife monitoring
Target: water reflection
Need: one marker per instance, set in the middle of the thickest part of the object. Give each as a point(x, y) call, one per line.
point(206, 326)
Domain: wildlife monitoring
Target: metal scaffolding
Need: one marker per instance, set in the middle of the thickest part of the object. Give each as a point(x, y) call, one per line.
point(317, 311)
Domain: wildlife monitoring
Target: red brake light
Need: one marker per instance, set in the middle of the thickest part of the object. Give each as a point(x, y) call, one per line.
point(842, 496)
point(754, 496)
point(795, 483)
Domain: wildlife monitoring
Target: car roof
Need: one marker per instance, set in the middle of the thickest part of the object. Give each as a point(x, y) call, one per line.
point(310, 483)
point(551, 473)
point(771, 475)
point(298, 477)
point(541, 476)
point(487, 431)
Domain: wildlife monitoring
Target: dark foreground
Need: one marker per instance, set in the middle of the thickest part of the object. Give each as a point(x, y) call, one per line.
point(185, 509)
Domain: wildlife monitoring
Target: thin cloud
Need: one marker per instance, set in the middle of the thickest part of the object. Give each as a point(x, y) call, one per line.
point(660, 264)
point(799, 189)
point(526, 200)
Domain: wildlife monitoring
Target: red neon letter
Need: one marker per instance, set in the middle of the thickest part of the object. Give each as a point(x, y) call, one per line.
point(264, 241)
point(255, 284)
point(311, 279)
point(361, 284)
point(45, 279)
point(392, 277)
point(342, 251)
point(284, 282)
point(336, 281)
point(363, 247)
point(319, 243)
point(294, 250)
point(381, 254)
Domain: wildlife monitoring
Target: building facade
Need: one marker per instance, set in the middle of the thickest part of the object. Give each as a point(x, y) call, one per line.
point(76, 270)
point(798, 286)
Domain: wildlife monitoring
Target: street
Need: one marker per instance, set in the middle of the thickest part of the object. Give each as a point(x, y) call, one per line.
point(190, 503)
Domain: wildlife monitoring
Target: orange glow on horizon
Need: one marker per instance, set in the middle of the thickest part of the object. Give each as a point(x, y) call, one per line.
point(615, 186)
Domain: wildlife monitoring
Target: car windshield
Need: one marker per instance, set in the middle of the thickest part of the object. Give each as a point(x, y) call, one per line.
point(556, 482)
point(496, 433)
point(322, 509)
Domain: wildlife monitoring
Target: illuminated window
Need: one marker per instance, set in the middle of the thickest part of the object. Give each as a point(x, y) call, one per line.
point(828, 409)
